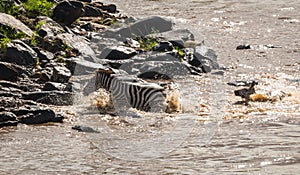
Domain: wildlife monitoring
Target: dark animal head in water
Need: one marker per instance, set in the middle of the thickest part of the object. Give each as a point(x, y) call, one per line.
point(246, 92)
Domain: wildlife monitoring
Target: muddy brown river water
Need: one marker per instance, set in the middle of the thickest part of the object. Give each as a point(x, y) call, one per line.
point(213, 135)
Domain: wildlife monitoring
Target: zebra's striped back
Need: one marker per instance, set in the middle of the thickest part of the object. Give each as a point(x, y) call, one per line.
point(129, 91)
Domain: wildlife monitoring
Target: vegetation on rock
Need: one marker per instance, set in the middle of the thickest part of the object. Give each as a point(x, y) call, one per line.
point(34, 8)
point(147, 43)
point(7, 34)
point(8, 7)
point(29, 8)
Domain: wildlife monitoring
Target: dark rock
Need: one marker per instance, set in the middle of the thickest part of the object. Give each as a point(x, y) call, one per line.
point(46, 75)
point(84, 129)
point(44, 56)
point(79, 66)
point(8, 84)
point(155, 56)
point(141, 28)
point(61, 74)
point(28, 84)
point(271, 46)
point(51, 44)
point(8, 72)
point(66, 12)
point(50, 97)
point(40, 116)
point(217, 72)
point(42, 33)
point(2, 36)
point(52, 86)
point(205, 58)
point(87, 27)
point(92, 11)
point(10, 102)
point(116, 64)
point(49, 27)
point(9, 93)
point(163, 46)
point(242, 47)
point(89, 1)
point(74, 87)
point(14, 23)
point(155, 65)
point(111, 8)
point(98, 43)
point(159, 69)
point(79, 43)
point(7, 116)
point(242, 83)
point(117, 53)
point(132, 43)
point(194, 70)
point(20, 53)
point(176, 37)
point(26, 109)
point(8, 123)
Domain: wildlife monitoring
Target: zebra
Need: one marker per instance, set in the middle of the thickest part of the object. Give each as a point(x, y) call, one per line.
point(129, 91)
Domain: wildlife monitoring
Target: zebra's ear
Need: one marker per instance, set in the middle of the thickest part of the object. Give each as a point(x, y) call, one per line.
point(107, 71)
point(110, 71)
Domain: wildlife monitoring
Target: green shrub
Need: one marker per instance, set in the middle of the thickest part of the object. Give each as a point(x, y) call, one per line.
point(8, 7)
point(180, 52)
point(9, 34)
point(33, 8)
point(147, 43)
point(39, 25)
point(36, 8)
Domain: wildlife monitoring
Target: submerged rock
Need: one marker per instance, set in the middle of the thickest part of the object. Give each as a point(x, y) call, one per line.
point(7, 116)
point(84, 129)
point(8, 123)
point(36, 115)
point(243, 47)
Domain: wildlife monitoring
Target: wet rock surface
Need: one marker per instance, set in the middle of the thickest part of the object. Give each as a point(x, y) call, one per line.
point(20, 53)
point(11, 21)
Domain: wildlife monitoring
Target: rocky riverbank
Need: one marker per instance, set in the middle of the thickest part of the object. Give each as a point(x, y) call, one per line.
point(45, 53)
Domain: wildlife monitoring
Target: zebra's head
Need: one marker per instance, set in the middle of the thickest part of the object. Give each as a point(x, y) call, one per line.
point(101, 76)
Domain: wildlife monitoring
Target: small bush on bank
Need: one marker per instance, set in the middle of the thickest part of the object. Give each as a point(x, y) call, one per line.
point(36, 8)
point(29, 8)
point(8, 34)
